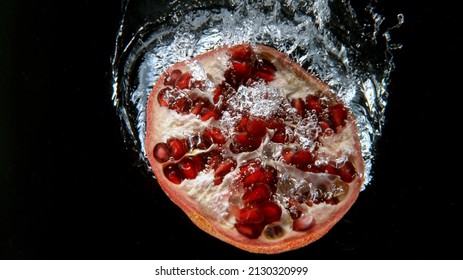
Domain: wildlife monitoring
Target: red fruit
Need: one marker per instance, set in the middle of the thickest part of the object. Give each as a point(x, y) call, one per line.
point(251, 215)
point(256, 127)
point(313, 103)
point(299, 105)
point(183, 81)
point(338, 115)
point(161, 152)
point(261, 190)
point(302, 159)
point(347, 172)
point(177, 147)
point(256, 193)
point(271, 211)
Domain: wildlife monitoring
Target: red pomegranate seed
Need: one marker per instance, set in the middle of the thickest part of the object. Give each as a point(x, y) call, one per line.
point(172, 78)
point(188, 168)
point(302, 159)
point(256, 193)
point(241, 53)
point(303, 223)
point(255, 177)
point(181, 105)
point(338, 115)
point(211, 113)
point(294, 208)
point(162, 98)
point(347, 172)
point(183, 81)
point(324, 125)
point(329, 169)
point(177, 147)
point(215, 135)
point(241, 140)
point(279, 135)
point(256, 127)
point(299, 105)
point(287, 155)
point(250, 215)
point(223, 169)
point(271, 211)
point(266, 76)
point(173, 174)
point(313, 103)
point(199, 105)
point(242, 71)
point(251, 231)
point(214, 159)
point(218, 92)
point(270, 177)
point(161, 152)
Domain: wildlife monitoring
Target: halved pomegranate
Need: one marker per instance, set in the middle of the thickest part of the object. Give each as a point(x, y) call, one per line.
point(255, 150)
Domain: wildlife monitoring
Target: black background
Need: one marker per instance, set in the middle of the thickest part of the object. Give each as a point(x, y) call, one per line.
point(69, 188)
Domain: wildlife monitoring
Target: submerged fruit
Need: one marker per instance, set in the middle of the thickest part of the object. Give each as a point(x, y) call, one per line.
point(256, 151)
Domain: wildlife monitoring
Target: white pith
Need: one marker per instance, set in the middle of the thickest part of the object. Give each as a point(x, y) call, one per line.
point(215, 201)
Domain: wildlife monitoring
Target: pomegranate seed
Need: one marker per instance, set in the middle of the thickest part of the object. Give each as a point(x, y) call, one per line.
point(242, 71)
point(338, 115)
point(211, 113)
point(302, 159)
point(183, 81)
point(255, 177)
point(188, 168)
point(299, 105)
point(162, 97)
point(181, 105)
point(215, 135)
point(271, 211)
point(177, 147)
point(266, 76)
point(303, 223)
point(270, 177)
point(250, 215)
point(173, 174)
point(200, 104)
point(251, 231)
point(214, 159)
point(347, 172)
point(279, 135)
point(161, 152)
point(313, 103)
point(218, 92)
point(241, 139)
point(256, 127)
point(256, 193)
point(224, 168)
point(287, 155)
point(324, 125)
point(241, 52)
point(294, 208)
point(329, 169)
point(172, 78)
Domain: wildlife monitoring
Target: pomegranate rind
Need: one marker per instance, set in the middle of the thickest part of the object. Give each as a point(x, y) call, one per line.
point(195, 212)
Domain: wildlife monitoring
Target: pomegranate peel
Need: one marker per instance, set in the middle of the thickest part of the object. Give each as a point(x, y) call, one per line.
point(255, 150)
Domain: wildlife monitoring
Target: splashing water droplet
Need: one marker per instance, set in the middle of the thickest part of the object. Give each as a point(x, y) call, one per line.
point(352, 55)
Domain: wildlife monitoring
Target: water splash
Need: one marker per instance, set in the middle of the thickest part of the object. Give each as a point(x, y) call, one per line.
point(352, 55)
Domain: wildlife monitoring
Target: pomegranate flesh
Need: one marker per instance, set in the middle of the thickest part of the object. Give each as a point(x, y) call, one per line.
point(255, 150)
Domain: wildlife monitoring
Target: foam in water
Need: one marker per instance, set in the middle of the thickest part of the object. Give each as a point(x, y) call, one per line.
point(325, 37)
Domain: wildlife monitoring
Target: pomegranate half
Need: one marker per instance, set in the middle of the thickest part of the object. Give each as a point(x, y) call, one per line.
point(255, 150)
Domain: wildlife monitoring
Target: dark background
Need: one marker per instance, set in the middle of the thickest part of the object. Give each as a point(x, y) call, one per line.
point(69, 188)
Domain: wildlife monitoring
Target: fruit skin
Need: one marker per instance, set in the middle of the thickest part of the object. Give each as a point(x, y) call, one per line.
point(230, 235)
